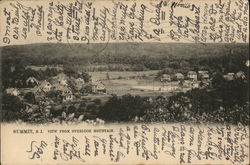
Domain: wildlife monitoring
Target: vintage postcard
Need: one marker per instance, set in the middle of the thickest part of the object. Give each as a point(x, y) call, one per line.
point(124, 82)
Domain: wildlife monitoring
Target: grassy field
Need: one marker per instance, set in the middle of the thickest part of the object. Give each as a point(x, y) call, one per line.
point(123, 75)
point(121, 83)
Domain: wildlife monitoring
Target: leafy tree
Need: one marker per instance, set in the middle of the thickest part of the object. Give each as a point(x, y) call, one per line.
point(86, 76)
point(234, 92)
point(54, 95)
point(97, 101)
point(11, 107)
point(86, 89)
point(71, 109)
point(82, 107)
point(30, 97)
point(123, 109)
point(217, 80)
point(19, 68)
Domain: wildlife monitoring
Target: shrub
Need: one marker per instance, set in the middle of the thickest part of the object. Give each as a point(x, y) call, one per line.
point(97, 101)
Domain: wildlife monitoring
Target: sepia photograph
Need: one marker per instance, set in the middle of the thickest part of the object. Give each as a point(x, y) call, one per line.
point(124, 83)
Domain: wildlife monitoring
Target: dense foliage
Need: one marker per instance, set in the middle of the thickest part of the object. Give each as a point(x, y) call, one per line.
point(18, 76)
point(226, 103)
point(126, 57)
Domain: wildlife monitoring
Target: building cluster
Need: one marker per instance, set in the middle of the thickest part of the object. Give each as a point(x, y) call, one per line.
point(193, 79)
point(66, 88)
point(232, 76)
point(97, 86)
point(61, 85)
point(191, 75)
point(179, 80)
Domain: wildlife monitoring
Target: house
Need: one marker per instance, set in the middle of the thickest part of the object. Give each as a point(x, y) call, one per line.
point(204, 84)
point(187, 83)
point(229, 76)
point(192, 75)
point(66, 97)
point(45, 86)
point(247, 63)
point(79, 82)
point(240, 74)
point(12, 91)
point(32, 81)
point(94, 79)
point(61, 78)
point(195, 85)
point(65, 94)
point(63, 89)
point(63, 82)
point(57, 86)
point(165, 78)
point(179, 76)
point(98, 87)
point(203, 75)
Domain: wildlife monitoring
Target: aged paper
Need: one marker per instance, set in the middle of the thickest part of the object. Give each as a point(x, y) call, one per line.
point(124, 82)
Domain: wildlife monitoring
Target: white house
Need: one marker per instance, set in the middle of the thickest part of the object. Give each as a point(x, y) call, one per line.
point(229, 76)
point(12, 91)
point(195, 85)
point(247, 63)
point(32, 81)
point(94, 79)
point(65, 93)
point(45, 86)
point(165, 78)
point(187, 83)
point(240, 74)
point(67, 97)
point(203, 75)
point(179, 76)
point(61, 78)
point(192, 75)
point(98, 87)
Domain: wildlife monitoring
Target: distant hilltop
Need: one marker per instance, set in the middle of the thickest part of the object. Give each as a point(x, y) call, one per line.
point(128, 49)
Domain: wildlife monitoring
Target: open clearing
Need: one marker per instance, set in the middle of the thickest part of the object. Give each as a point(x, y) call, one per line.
point(122, 75)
